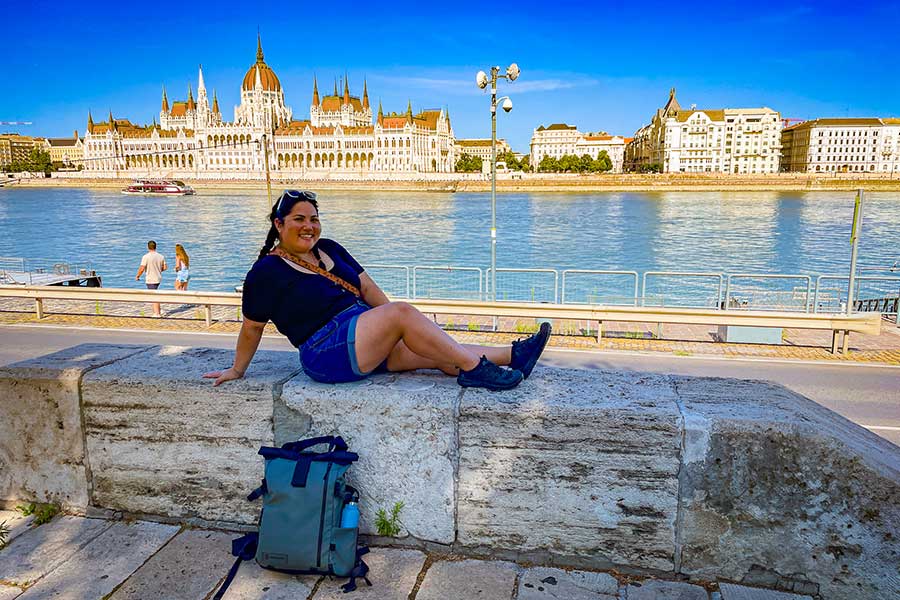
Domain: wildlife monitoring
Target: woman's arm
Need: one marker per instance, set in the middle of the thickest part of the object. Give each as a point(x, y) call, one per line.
point(247, 343)
point(370, 291)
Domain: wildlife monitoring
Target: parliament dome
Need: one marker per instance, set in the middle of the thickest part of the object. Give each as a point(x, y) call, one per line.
point(267, 76)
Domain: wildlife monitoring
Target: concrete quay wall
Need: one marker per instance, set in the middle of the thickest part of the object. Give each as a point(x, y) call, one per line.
point(707, 478)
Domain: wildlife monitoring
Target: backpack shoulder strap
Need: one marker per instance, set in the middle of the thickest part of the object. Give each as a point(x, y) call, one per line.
point(244, 548)
point(361, 569)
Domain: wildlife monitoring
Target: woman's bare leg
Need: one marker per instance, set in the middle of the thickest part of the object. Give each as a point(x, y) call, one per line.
point(378, 330)
point(402, 358)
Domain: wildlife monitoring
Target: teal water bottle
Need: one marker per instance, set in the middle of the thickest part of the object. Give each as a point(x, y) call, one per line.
point(350, 516)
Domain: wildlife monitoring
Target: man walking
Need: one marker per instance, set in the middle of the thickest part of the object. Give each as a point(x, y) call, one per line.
point(153, 263)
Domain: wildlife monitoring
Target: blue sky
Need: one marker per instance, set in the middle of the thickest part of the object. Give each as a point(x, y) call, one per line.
point(585, 63)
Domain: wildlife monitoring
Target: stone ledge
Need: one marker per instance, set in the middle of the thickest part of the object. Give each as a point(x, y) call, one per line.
point(710, 478)
point(42, 453)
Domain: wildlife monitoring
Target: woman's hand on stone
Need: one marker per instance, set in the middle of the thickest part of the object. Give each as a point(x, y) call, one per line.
point(223, 376)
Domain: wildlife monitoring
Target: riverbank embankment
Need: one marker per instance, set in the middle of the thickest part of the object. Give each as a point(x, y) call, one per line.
point(536, 182)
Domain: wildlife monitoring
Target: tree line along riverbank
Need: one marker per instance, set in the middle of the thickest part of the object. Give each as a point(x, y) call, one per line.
point(531, 183)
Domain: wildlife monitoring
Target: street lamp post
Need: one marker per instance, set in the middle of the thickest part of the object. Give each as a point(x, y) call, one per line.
point(482, 80)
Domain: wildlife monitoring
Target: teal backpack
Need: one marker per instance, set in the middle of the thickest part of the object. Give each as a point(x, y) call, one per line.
point(303, 495)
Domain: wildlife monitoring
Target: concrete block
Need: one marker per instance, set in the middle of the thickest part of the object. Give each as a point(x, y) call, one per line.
point(468, 580)
point(665, 590)
point(15, 523)
point(255, 583)
point(187, 568)
point(542, 583)
point(731, 591)
point(393, 574)
point(163, 441)
point(404, 429)
point(42, 455)
point(95, 570)
point(34, 554)
point(577, 463)
point(779, 492)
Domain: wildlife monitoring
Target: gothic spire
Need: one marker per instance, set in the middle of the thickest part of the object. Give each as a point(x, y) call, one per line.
point(409, 117)
point(259, 52)
point(365, 95)
point(190, 101)
point(380, 113)
point(90, 124)
point(201, 87)
point(215, 107)
point(112, 122)
point(165, 101)
point(315, 92)
point(346, 89)
point(335, 87)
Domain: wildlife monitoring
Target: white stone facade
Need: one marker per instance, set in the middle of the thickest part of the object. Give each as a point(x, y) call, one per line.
point(555, 140)
point(339, 139)
point(480, 147)
point(730, 140)
point(594, 143)
point(842, 146)
point(559, 139)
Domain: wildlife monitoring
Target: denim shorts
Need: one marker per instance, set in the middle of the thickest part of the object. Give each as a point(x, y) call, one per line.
point(329, 355)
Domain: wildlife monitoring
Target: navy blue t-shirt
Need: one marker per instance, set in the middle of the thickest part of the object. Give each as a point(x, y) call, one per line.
point(299, 304)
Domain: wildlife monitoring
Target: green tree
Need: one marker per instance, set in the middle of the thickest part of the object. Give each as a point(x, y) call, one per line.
point(510, 159)
point(585, 163)
point(524, 164)
point(569, 163)
point(602, 163)
point(548, 164)
point(39, 161)
point(469, 164)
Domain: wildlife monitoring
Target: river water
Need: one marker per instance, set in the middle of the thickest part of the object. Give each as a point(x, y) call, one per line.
point(733, 232)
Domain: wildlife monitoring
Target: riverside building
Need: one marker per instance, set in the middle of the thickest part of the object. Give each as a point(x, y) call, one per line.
point(559, 139)
point(842, 145)
point(15, 147)
point(340, 138)
point(65, 151)
point(480, 148)
point(728, 140)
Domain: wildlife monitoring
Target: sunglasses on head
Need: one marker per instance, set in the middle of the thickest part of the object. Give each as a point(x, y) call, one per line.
point(296, 195)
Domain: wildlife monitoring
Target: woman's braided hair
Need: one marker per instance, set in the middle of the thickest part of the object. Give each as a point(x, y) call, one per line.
point(282, 207)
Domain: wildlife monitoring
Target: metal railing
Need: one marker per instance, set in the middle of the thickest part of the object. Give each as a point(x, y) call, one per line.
point(785, 300)
point(461, 288)
point(534, 290)
point(389, 281)
point(837, 301)
point(714, 302)
point(869, 323)
point(593, 295)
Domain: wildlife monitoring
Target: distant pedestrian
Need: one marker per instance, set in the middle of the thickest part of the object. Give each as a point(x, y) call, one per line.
point(182, 268)
point(153, 263)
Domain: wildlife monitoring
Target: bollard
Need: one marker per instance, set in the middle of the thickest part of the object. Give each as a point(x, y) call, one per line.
point(39, 308)
point(207, 311)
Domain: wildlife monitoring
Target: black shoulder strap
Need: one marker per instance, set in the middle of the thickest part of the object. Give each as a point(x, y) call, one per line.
point(244, 548)
point(361, 569)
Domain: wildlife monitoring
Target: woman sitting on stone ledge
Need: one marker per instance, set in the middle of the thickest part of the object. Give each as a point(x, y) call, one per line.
point(345, 327)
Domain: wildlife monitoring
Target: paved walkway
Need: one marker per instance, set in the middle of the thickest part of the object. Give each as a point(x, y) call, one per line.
point(680, 340)
point(76, 558)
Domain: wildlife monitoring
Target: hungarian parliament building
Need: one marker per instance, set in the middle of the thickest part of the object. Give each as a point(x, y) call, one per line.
point(340, 138)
